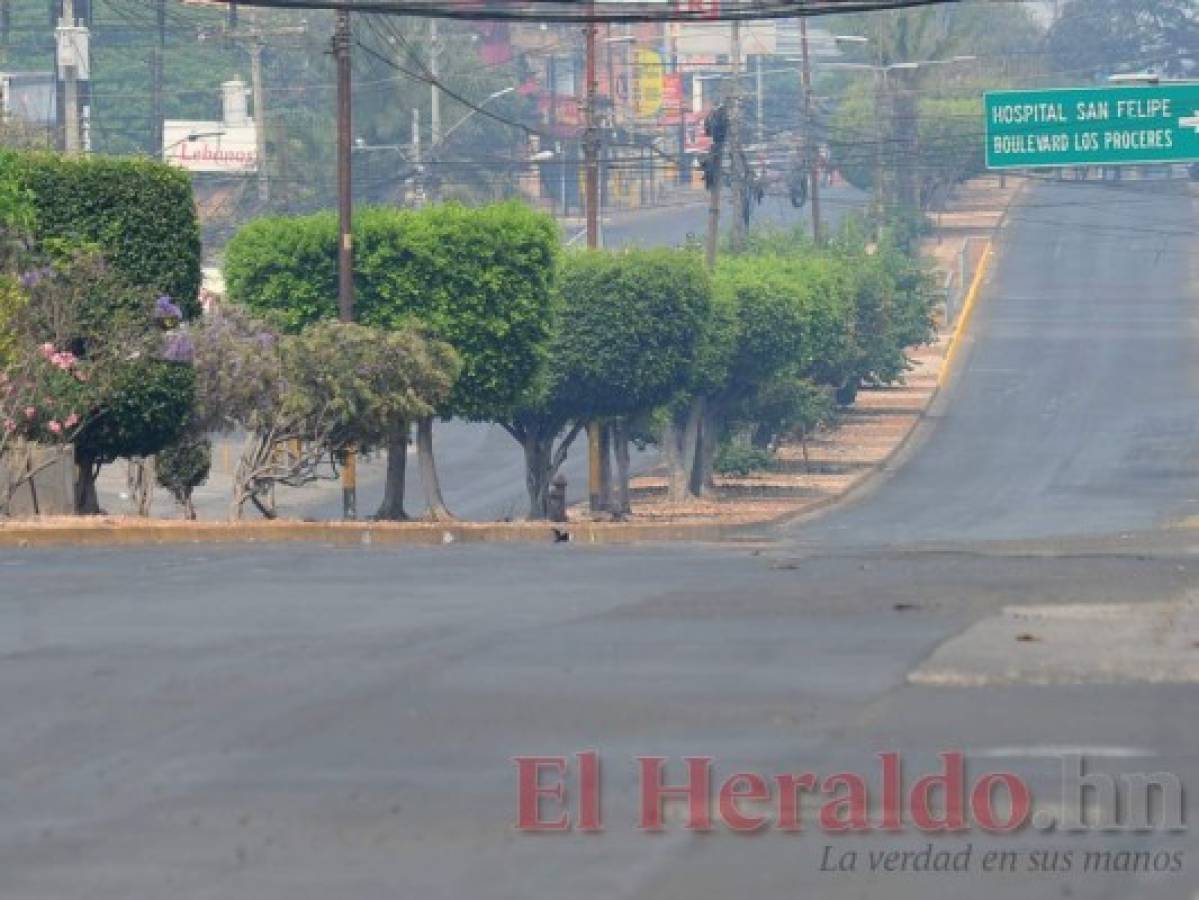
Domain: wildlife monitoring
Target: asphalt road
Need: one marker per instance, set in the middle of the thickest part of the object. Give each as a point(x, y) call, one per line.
point(674, 225)
point(300, 722)
point(1074, 411)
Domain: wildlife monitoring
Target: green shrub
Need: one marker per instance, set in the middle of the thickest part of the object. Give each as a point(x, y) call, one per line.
point(786, 406)
point(138, 213)
point(146, 410)
point(739, 459)
point(182, 467)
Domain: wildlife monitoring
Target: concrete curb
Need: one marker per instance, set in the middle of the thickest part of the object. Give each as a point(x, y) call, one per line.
point(955, 339)
point(356, 534)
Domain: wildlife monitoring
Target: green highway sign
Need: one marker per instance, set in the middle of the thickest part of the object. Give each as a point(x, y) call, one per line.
point(1106, 126)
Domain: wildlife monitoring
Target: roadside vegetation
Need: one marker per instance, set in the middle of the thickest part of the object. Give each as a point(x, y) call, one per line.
point(473, 313)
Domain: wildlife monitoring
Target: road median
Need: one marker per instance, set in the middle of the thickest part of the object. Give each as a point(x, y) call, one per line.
point(806, 478)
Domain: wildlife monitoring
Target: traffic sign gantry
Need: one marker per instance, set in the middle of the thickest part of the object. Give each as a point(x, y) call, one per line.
point(1107, 126)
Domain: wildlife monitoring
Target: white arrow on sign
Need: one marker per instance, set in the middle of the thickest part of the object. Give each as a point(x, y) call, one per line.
point(1190, 122)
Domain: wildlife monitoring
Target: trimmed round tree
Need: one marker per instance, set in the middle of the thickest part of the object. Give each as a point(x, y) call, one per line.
point(140, 215)
point(628, 330)
point(793, 314)
point(478, 279)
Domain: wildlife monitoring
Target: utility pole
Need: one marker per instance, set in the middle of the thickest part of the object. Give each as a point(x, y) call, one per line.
point(591, 142)
point(759, 101)
point(72, 48)
point(713, 235)
point(434, 97)
point(717, 126)
point(256, 48)
point(735, 151)
point(255, 39)
point(419, 180)
point(683, 174)
point(345, 209)
point(435, 93)
point(811, 144)
point(345, 247)
point(157, 66)
point(591, 204)
point(881, 103)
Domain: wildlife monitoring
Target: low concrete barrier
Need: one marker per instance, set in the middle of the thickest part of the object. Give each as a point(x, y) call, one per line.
point(40, 481)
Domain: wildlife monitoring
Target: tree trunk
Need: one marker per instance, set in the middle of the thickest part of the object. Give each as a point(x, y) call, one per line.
point(707, 445)
point(189, 507)
point(760, 437)
point(538, 473)
point(140, 481)
point(680, 447)
point(437, 509)
point(620, 450)
point(668, 442)
point(87, 502)
point(254, 454)
point(392, 508)
point(605, 491)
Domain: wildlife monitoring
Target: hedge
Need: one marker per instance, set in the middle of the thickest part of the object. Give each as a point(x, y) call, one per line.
point(479, 279)
point(139, 213)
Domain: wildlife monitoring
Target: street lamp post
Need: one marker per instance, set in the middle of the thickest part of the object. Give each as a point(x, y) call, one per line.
point(192, 136)
point(885, 98)
point(470, 115)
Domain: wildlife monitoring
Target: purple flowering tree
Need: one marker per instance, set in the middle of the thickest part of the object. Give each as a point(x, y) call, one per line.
point(302, 400)
point(87, 366)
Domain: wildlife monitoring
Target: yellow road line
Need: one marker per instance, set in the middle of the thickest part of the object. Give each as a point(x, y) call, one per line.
point(955, 339)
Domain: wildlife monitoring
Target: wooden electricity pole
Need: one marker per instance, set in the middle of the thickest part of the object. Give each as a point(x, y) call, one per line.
point(736, 161)
point(157, 69)
point(811, 143)
point(345, 210)
point(255, 38)
point(595, 463)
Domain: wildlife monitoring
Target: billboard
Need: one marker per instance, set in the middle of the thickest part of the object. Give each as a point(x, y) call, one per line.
point(648, 85)
point(229, 149)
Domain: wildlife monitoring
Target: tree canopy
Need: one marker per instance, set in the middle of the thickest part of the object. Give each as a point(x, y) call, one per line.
point(479, 279)
point(139, 214)
point(629, 329)
point(1095, 38)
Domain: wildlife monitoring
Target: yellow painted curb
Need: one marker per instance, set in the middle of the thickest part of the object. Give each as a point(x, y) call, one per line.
point(955, 339)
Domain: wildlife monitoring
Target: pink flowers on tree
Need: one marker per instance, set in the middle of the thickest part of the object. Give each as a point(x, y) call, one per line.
point(61, 359)
point(39, 400)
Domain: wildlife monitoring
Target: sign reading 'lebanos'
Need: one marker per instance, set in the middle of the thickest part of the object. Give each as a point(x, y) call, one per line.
point(229, 148)
point(1093, 126)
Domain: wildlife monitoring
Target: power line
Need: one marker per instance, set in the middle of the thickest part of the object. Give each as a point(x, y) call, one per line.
point(603, 10)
